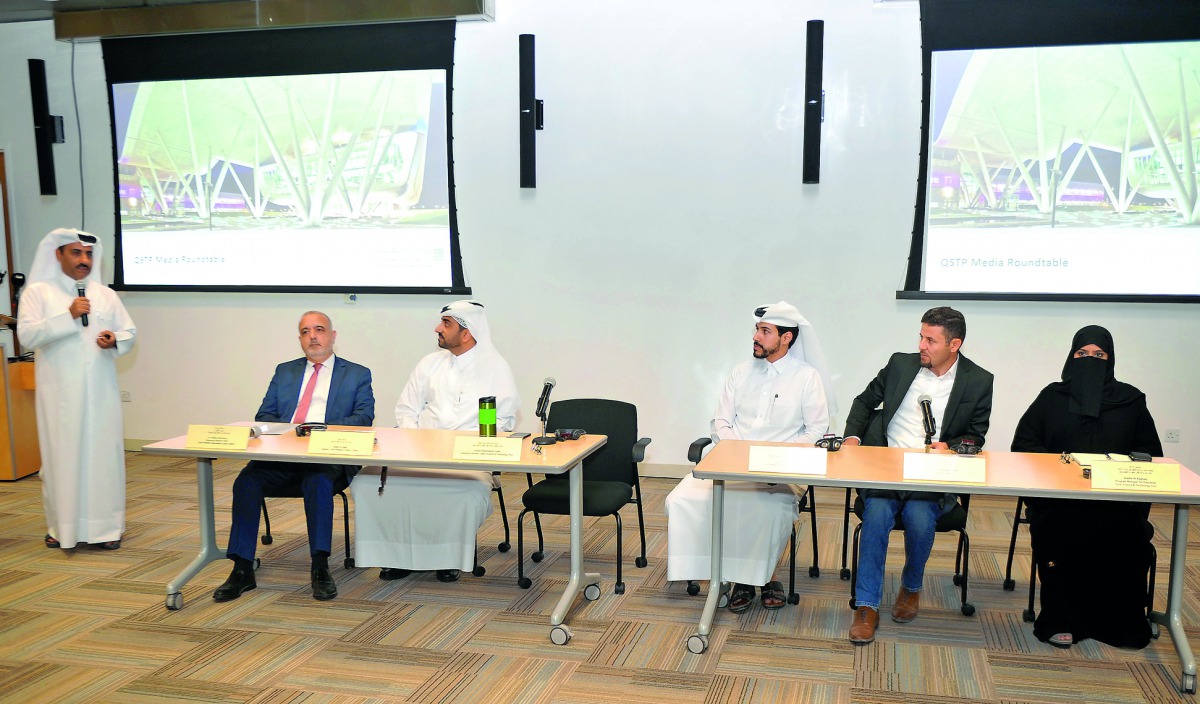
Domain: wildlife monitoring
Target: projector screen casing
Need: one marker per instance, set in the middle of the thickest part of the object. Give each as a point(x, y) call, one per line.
point(954, 25)
point(424, 47)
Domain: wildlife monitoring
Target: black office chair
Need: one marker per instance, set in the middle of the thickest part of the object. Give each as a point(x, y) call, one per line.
point(808, 504)
point(1021, 516)
point(505, 546)
point(339, 488)
point(955, 520)
point(610, 475)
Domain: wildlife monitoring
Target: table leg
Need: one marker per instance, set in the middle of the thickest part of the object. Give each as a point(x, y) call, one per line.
point(208, 536)
point(1173, 618)
point(559, 632)
point(698, 642)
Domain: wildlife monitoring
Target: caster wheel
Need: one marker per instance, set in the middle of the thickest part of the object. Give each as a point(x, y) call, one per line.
point(853, 605)
point(560, 635)
point(538, 556)
point(257, 564)
point(723, 600)
point(479, 571)
point(1154, 631)
point(693, 589)
point(524, 582)
point(968, 609)
point(697, 644)
point(640, 562)
point(504, 547)
point(591, 592)
point(175, 601)
point(1027, 616)
point(348, 563)
point(619, 588)
point(1009, 585)
point(844, 574)
point(958, 580)
point(267, 540)
point(1189, 684)
point(793, 598)
point(814, 571)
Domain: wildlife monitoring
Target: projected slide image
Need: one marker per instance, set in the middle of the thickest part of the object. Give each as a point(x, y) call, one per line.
point(212, 173)
point(1054, 169)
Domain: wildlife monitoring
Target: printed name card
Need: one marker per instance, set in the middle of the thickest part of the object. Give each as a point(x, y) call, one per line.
point(943, 467)
point(467, 447)
point(353, 443)
point(217, 437)
point(1136, 476)
point(776, 459)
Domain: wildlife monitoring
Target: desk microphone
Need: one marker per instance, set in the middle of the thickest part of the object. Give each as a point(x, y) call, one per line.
point(926, 402)
point(82, 318)
point(544, 399)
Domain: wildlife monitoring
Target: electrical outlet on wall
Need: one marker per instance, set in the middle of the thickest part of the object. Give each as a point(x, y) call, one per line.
point(1171, 435)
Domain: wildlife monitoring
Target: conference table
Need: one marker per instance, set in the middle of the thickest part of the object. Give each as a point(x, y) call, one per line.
point(396, 447)
point(1007, 474)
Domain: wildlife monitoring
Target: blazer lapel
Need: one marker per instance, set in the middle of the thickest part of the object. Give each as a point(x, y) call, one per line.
point(961, 379)
point(335, 381)
point(896, 393)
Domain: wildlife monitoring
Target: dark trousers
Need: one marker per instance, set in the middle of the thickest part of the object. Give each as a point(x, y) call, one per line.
point(313, 482)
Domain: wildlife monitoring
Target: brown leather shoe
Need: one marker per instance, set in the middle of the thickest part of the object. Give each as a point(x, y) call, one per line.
point(906, 606)
point(866, 620)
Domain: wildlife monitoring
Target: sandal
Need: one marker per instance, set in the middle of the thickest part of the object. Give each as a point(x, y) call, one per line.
point(740, 598)
point(51, 542)
point(1061, 640)
point(773, 596)
point(110, 545)
point(447, 575)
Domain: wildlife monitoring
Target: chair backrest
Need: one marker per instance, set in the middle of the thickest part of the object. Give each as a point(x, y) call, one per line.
point(616, 419)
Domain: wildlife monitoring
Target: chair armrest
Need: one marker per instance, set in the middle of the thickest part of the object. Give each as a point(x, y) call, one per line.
point(696, 449)
point(639, 449)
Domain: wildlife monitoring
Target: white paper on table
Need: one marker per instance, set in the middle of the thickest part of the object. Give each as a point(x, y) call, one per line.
point(941, 467)
point(777, 459)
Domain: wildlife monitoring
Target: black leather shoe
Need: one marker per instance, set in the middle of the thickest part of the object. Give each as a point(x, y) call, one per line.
point(241, 579)
point(324, 588)
point(447, 575)
point(393, 573)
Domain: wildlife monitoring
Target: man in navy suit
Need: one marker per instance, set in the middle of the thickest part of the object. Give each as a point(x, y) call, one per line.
point(959, 393)
point(317, 388)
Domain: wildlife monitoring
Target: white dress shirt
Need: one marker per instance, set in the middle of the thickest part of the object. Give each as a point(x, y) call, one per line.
point(906, 428)
point(320, 397)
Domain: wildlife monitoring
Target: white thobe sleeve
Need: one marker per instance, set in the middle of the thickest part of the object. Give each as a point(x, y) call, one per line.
point(125, 332)
point(507, 400)
point(412, 398)
point(37, 326)
point(815, 408)
point(722, 422)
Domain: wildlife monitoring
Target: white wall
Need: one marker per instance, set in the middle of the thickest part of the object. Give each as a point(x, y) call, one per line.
point(669, 206)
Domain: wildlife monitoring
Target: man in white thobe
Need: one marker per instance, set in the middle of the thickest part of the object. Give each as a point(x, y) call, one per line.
point(77, 328)
point(783, 394)
point(426, 519)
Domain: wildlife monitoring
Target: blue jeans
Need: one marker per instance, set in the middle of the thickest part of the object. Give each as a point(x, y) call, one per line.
point(878, 519)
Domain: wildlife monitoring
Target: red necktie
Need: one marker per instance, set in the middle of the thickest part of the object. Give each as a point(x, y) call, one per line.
point(306, 398)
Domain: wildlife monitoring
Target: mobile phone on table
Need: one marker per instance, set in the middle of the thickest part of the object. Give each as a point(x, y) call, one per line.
point(518, 435)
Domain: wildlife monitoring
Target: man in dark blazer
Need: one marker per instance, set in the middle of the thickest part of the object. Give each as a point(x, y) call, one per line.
point(302, 391)
point(889, 413)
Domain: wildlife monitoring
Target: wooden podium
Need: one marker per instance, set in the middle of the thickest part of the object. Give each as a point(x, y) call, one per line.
point(20, 455)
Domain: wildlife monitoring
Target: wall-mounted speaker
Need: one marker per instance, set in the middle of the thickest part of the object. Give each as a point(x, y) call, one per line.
point(531, 113)
point(814, 101)
point(47, 128)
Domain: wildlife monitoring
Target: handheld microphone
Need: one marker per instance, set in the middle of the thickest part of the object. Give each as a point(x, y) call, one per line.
point(927, 420)
point(544, 399)
point(82, 318)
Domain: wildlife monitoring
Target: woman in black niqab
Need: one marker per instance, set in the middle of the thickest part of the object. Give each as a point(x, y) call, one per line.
point(1092, 556)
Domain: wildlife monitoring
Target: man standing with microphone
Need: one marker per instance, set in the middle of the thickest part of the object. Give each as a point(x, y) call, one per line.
point(914, 395)
point(77, 327)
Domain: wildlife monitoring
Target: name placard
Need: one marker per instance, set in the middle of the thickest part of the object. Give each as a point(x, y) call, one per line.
point(217, 437)
point(467, 447)
point(1136, 476)
point(775, 459)
point(946, 468)
point(354, 443)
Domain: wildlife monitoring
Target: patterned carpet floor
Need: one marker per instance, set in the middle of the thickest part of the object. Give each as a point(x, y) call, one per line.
point(89, 625)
